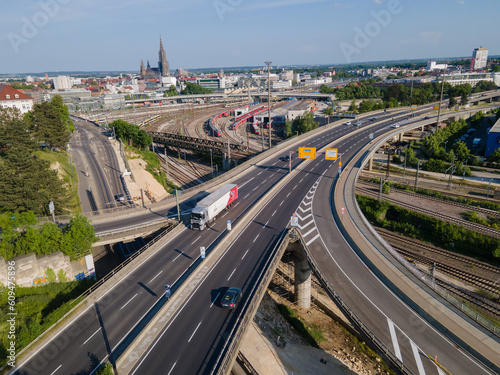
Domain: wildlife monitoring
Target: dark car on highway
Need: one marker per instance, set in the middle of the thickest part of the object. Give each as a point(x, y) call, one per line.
point(230, 299)
point(285, 158)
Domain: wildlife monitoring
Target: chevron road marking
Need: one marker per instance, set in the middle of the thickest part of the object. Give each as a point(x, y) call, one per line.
point(418, 360)
point(392, 329)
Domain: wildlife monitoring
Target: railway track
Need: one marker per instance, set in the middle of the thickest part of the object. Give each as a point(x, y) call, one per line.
point(466, 277)
point(394, 238)
point(464, 206)
point(469, 192)
point(466, 224)
point(483, 304)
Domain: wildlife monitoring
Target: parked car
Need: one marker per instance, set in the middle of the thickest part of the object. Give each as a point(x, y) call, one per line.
point(230, 299)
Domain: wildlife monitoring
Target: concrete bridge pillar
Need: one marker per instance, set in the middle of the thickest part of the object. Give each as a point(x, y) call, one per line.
point(400, 137)
point(370, 164)
point(302, 286)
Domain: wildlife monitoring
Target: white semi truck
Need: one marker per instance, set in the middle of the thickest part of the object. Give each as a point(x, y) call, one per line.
point(209, 207)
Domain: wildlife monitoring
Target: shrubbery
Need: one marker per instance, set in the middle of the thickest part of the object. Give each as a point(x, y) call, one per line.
point(429, 229)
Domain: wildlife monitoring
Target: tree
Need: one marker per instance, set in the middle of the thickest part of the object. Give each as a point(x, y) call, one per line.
point(27, 183)
point(194, 89)
point(48, 125)
point(172, 91)
point(452, 102)
point(353, 107)
point(494, 157)
point(461, 151)
point(464, 99)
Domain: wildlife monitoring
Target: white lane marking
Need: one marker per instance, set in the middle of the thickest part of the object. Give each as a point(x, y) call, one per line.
point(86, 341)
point(129, 301)
point(158, 274)
point(394, 337)
point(223, 216)
point(288, 195)
point(294, 187)
point(274, 212)
point(304, 226)
point(198, 326)
point(258, 174)
point(245, 197)
point(181, 253)
point(255, 239)
point(172, 369)
point(281, 203)
point(215, 299)
point(312, 239)
point(416, 355)
point(266, 223)
point(301, 180)
point(256, 188)
point(306, 234)
point(244, 255)
point(195, 240)
point(53, 372)
point(231, 274)
point(247, 182)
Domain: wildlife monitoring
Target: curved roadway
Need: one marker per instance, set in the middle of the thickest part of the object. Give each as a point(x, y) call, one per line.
point(191, 344)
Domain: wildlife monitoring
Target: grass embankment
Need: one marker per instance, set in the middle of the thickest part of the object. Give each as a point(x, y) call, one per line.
point(310, 333)
point(428, 229)
point(153, 166)
point(60, 161)
point(37, 309)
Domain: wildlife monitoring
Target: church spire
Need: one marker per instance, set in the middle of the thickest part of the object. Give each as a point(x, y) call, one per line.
point(162, 61)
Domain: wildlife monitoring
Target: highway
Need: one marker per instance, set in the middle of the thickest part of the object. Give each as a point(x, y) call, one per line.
point(201, 329)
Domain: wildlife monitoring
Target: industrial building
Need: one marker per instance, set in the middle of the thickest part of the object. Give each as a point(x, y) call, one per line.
point(288, 112)
point(493, 141)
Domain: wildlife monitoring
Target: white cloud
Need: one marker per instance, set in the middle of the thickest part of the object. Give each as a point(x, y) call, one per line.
point(461, 2)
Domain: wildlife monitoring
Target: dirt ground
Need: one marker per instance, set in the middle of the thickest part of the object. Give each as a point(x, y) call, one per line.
point(141, 179)
point(273, 347)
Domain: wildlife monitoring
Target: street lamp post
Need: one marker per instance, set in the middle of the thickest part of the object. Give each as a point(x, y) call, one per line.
point(439, 107)
point(268, 63)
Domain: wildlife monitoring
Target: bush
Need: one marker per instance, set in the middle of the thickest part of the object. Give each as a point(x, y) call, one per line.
point(432, 230)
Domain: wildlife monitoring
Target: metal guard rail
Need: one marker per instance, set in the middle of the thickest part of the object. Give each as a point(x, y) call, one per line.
point(355, 320)
point(224, 362)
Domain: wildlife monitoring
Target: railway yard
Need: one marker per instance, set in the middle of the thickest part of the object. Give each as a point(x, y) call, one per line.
point(474, 282)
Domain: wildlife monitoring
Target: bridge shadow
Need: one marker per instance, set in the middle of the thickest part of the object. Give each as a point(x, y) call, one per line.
point(183, 254)
point(148, 290)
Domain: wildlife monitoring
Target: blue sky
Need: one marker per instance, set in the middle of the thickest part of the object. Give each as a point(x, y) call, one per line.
point(68, 35)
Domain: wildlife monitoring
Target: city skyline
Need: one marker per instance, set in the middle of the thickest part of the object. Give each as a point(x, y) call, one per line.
point(62, 35)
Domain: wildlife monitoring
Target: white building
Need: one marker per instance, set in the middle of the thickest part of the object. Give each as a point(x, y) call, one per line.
point(61, 82)
point(276, 85)
point(168, 81)
point(472, 78)
point(432, 65)
point(11, 98)
point(479, 58)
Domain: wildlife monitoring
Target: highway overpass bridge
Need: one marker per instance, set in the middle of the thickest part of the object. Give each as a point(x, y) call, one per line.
point(106, 321)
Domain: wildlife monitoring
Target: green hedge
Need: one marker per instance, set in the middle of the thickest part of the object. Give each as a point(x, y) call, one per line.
point(443, 234)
